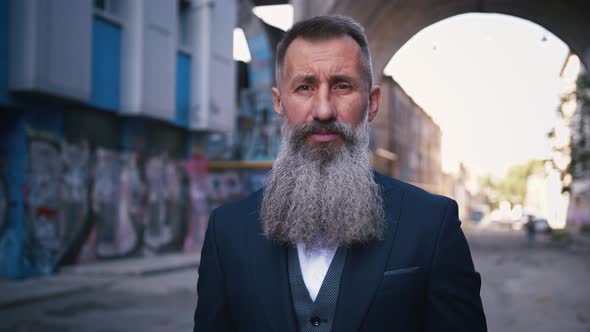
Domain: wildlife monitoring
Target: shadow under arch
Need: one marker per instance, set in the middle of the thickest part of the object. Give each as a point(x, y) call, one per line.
point(390, 24)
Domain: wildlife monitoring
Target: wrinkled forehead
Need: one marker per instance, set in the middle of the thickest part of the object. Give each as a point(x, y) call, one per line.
point(306, 54)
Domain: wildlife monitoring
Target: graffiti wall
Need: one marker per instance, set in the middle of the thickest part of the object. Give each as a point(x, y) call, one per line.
point(13, 164)
point(196, 170)
point(80, 203)
point(258, 127)
point(3, 202)
point(229, 184)
point(83, 204)
point(42, 207)
point(140, 208)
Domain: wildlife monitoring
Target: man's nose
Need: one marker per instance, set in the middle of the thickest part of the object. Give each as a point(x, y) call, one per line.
point(324, 108)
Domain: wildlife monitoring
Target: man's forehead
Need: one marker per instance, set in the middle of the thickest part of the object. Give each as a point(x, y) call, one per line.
point(301, 44)
point(303, 51)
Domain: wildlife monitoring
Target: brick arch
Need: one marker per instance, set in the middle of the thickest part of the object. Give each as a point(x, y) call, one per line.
point(391, 23)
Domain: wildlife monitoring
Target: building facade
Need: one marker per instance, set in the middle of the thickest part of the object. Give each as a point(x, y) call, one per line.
point(575, 110)
point(106, 112)
point(410, 136)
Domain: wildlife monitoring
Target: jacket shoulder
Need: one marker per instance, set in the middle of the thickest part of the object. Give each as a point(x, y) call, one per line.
point(236, 212)
point(411, 193)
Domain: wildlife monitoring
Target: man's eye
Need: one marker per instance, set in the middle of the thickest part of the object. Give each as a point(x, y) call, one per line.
point(342, 86)
point(304, 88)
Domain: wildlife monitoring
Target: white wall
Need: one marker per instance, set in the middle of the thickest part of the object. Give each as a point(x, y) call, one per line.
point(223, 68)
point(50, 47)
point(159, 53)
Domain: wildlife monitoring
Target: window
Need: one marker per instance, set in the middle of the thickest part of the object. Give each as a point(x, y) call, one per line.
point(110, 9)
point(184, 8)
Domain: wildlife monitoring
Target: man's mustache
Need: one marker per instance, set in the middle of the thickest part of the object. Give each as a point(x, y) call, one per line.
point(301, 131)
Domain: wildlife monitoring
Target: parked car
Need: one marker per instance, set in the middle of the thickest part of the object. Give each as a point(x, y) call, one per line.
point(541, 224)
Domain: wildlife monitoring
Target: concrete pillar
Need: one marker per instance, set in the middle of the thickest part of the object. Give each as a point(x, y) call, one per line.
point(586, 60)
point(132, 58)
point(202, 9)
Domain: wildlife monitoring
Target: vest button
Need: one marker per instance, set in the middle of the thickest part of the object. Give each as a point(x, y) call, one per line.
point(315, 321)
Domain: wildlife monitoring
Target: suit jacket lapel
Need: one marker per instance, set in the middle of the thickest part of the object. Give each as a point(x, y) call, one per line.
point(364, 267)
point(269, 271)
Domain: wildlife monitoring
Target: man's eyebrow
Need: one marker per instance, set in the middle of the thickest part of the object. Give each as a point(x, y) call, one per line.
point(306, 78)
point(342, 78)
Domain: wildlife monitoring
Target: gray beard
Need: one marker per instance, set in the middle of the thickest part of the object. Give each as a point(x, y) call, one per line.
point(323, 196)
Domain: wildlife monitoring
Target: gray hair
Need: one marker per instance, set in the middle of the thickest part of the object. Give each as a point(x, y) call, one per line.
point(324, 28)
point(323, 196)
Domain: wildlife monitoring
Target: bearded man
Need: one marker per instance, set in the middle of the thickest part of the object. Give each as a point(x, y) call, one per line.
point(329, 244)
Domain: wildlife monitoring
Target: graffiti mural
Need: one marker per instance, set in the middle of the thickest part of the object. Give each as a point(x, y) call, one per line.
point(166, 204)
point(117, 204)
point(224, 186)
point(196, 170)
point(232, 184)
point(3, 202)
point(104, 201)
point(42, 205)
point(92, 204)
point(259, 127)
point(131, 204)
point(74, 196)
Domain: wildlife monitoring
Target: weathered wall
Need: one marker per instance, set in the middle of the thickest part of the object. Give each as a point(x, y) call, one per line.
point(390, 24)
point(67, 199)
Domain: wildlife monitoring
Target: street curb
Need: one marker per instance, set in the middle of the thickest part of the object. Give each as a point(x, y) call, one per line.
point(580, 243)
point(75, 279)
point(26, 291)
point(137, 266)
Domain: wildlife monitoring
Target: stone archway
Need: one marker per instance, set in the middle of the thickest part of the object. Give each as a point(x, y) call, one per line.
point(391, 23)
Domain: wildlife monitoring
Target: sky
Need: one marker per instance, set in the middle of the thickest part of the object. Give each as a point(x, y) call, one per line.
point(490, 81)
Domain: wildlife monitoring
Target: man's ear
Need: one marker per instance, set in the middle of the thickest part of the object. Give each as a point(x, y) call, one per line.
point(276, 100)
point(374, 101)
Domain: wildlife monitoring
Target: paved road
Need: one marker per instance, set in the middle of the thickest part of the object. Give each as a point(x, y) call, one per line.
point(544, 289)
point(163, 302)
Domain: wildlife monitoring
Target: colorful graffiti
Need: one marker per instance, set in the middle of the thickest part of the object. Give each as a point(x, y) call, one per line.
point(105, 203)
point(166, 204)
point(259, 126)
point(74, 205)
point(196, 170)
point(42, 197)
point(3, 202)
point(82, 204)
point(231, 184)
point(117, 205)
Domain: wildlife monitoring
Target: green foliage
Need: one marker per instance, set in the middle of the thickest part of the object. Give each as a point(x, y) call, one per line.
point(512, 187)
point(561, 235)
point(580, 162)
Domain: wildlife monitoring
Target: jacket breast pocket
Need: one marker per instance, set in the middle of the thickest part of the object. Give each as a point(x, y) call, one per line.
point(403, 292)
point(402, 280)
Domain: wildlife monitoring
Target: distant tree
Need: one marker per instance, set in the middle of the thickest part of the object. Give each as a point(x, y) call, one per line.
point(513, 186)
point(580, 148)
point(489, 187)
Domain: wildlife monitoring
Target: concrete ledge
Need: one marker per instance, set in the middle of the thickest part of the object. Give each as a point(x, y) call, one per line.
point(84, 277)
point(15, 292)
point(581, 242)
point(137, 266)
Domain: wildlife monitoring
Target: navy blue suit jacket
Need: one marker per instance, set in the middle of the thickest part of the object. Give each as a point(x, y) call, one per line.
point(420, 277)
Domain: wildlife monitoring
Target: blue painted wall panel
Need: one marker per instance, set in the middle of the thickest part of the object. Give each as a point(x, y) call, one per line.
point(106, 65)
point(5, 98)
point(20, 252)
point(13, 158)
point(183, 88)
point(134, 134)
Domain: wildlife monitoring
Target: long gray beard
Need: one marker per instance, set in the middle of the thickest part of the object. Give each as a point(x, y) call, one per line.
point(323, 196)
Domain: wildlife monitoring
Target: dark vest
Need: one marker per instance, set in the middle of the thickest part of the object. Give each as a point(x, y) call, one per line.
point(315, 316)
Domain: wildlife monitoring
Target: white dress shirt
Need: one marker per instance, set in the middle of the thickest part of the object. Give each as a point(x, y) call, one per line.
point(314, 265)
